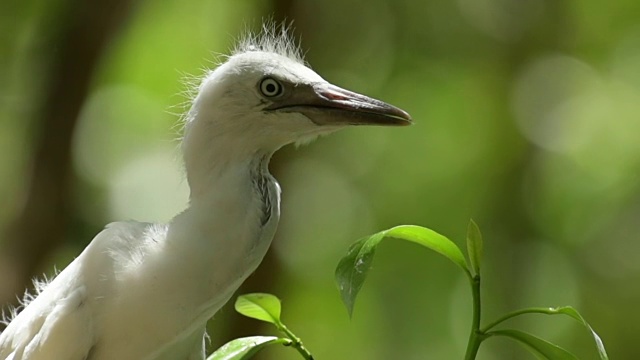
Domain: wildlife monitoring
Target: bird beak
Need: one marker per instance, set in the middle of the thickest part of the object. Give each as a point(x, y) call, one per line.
point(327, 104)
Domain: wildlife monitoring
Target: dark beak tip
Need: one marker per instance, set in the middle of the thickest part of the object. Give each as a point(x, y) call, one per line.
point(392, 121)
point(406, 122)
point(404, 119)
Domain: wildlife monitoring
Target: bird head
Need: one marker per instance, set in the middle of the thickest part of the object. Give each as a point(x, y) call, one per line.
point(264, 96)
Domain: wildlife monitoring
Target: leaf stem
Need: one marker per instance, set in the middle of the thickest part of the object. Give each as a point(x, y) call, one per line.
point(533, 310)
point(476, 335)
point(295, 341)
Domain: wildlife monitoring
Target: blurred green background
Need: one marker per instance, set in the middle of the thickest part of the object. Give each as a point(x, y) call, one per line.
point(527, 120)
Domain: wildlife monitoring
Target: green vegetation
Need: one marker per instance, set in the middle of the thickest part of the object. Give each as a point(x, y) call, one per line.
point(354, 268)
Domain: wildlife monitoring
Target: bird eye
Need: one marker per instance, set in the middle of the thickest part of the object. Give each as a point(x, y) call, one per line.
point(270, 87)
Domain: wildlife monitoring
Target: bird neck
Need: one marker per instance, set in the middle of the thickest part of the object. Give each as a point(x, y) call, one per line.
point(231, 205)
point(220, 174)
point(231, 218)
point(212, 157)
point(224, 234)
point(214, 149)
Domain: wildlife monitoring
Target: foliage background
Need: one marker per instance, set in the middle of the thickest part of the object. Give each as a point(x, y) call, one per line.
point(526, 120)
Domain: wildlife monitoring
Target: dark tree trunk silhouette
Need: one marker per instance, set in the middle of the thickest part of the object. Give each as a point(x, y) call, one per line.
point(81, 31)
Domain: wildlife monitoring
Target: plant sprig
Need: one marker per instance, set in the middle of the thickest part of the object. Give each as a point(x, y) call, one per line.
point(264, 307)
point(351, 273)
point(354, 267)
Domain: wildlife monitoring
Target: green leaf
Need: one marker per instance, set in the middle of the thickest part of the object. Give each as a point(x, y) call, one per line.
point(245, 348)
point(430, 239)
point(265, 307)
point(353, 268)
point(536, 345)
point(563, 310)
point(570, 311)
point(474, 246)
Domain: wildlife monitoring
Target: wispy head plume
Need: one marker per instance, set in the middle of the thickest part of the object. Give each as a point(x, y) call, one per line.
point(274, 37)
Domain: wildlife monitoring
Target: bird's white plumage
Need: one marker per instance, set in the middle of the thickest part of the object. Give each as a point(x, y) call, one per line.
point(166, 279)
point(146, 291)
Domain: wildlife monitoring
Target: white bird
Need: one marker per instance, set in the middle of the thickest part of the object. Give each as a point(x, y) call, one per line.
point(145, 290)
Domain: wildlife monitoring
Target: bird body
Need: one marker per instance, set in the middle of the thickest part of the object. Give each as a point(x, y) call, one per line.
point(145, 290)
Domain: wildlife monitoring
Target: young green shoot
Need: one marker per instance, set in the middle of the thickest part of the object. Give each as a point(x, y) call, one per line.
point(353, 269)
point(267, 308)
